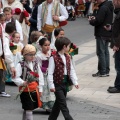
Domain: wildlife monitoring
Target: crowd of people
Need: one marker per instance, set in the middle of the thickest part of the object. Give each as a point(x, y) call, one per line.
point(34, 52)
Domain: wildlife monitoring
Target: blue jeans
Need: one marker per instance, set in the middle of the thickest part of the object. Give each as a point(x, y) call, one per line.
point(103, 55)
point(117, 67)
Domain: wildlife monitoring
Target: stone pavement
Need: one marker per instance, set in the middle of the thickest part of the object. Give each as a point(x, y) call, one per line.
point(94, 88)
point(90, 102)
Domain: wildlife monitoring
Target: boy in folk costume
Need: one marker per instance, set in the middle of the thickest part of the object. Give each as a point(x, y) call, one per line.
point(29, 78)
point(50, 13)
point(61, 75)
point(5, 54)
point(9, 18)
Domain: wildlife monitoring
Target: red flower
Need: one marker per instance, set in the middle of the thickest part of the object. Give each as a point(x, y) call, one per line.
point(36, 75)
point(32, 73)
point(11, 44)
point(53, 52)
point(26, 14)
point(74, 46)
point(17, 11)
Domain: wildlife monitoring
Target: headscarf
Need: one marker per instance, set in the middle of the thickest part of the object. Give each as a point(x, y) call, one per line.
point(28, 49)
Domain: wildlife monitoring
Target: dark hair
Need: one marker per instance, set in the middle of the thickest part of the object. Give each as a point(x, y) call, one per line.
point(42, 41)
point(10, 28)
point(57, 31)
point(13, 35)
point(60, 42)
point(2, 15)
point(44, 33)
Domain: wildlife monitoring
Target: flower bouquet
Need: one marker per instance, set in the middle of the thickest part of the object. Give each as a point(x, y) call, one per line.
point(12, 46)
point(32, 77)
point(73, 49)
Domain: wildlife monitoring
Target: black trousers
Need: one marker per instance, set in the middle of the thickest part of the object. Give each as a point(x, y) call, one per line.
point(60, 103)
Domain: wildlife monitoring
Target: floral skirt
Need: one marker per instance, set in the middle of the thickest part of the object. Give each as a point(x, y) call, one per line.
point(48, 97)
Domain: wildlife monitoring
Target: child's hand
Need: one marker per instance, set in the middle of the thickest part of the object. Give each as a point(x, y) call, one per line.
point(52, 90)
point(25, 83)
point(77, 86)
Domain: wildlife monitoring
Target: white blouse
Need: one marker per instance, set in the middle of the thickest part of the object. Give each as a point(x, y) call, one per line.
point(19, 82)
point(7, 53)
point(51, 68)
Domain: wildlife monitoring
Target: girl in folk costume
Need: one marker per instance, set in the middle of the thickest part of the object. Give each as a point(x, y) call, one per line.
point(5, 55)
point(29, 78)
point(61, 75)
point(58, 32)
point(43, 56)
point(17, 52)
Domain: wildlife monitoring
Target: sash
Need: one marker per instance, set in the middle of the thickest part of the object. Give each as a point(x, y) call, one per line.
point(30, 88)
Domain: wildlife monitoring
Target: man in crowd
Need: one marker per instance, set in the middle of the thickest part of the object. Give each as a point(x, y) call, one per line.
point(103, 17)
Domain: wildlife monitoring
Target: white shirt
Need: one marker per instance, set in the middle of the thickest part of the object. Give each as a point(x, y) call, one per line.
point(19, 82)
point(51, 68)
point(7, 53)
point(18, 28)
point(63, 15)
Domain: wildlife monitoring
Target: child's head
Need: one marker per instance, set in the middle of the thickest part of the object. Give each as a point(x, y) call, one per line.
point(16, 37)
point(2, 18)
point(62, 43)
point(45, 44)
point(68, 3)
point(34, 36)
point(29, 52)
point(8, 13)
point(44, 33)
point(10, 28)
point(59, 32)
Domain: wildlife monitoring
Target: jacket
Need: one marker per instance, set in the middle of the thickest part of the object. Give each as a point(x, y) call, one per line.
point(103, 16)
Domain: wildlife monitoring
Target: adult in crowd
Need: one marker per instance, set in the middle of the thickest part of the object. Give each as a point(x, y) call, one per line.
point(103, 16)
point(5, 54)
point(116, 46)
point(50, 13)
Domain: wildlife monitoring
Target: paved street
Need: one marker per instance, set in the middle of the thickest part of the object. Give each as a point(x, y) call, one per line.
point(91, 101)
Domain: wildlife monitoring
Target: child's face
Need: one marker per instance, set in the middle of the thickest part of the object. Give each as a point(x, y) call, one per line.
point(16, 38)
point(61, 34)
point(46, 46)
point(30, 56)
point(8, 15)
point(66, 49)
point(2, 20)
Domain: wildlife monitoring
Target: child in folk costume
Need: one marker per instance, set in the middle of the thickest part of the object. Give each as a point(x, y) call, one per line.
point(58, 32)
point(34, 37)
point(61, 74)
point(17, 52)
point(5, 55)
point(71, 11)
point(30, 87)
point(81, 7)
point(43, 56)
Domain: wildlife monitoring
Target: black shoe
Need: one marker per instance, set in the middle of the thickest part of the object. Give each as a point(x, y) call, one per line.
point(113, 90)
point(99, 75)
point(48, 111)
point(110, 87)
